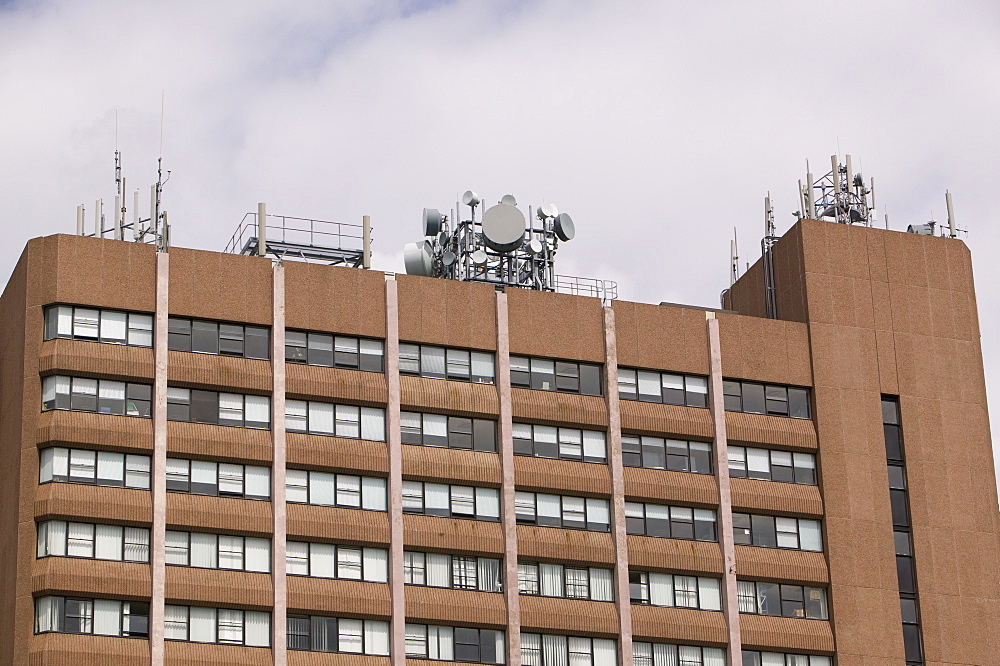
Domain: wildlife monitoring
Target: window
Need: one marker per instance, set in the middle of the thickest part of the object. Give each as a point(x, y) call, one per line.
point(103, 396)
point(101, 617)
point(213, 407)
point(562, 443)
point(331, 634)
point(101, 542)
point(210, 337)
point(669, 389)
point(556, 580)
point(326, 560)
point(441, 499)
point(458, 572)
point(110, 326)
point(673, 522)
point(755, 658)
point(783, 466)
point(758, 598)
point(328, 489)
point(551, 650)
point(479, 646)
point(218, 551)
point(777, 532)
point(663, 589)
point(439, 363)
point(662, 654)
point(754, 398)
point(334, 351)
point(197, 624)
point(673, 454)
point(201, 477)
point(544, 374)
point(98, 468)
point(322, 418)
point(576, 513)
point(453, 432)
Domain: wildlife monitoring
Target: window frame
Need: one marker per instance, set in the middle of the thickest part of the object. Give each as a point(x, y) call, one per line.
point(561, 368)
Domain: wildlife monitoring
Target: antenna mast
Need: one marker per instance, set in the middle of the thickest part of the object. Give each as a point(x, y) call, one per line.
point(838, 196)
point(766, 243)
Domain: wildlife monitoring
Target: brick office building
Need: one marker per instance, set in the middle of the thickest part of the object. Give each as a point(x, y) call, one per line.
point(469, 475)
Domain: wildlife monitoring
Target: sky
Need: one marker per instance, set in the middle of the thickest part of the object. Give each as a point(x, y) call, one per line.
point(658, 125)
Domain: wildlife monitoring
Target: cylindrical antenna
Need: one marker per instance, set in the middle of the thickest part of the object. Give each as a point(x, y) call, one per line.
point(152, 209)
point(136, 235)
point(261, 229)
point(366, 260)
point(872, 189)
point(836, 173)
point(951, 214)
point(98, 215)
point(802, 200)
point(118, 217)
point(810, 211)
point(79, 220)
point(850, 173)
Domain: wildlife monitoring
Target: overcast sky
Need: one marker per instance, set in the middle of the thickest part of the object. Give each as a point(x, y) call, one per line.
point(657, 125)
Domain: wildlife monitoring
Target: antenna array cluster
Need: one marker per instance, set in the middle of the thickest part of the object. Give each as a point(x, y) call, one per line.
point(838, 196)
point(500, 248)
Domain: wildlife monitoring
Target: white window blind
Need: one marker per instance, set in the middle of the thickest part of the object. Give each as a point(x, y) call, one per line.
point(107, 617)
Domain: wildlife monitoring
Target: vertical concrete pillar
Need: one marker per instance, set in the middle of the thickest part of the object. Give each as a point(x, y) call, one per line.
point(279, 508)
point(158, 476)
point(730, 601)
point(618, 534)
point(508, 515)
point(397, 645)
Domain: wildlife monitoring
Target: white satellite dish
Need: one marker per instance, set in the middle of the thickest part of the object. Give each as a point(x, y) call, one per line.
point(547, 210)
point(564, 228)
point(470, 198)
point(448, 258)
point(419, 258)
point(443, 238)
point(503, 227)
point(535, 246)
point(479, 258)
point(508, 199)
point(431, 221)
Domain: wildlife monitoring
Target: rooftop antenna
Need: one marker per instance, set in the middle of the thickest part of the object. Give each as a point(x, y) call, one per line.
point(159, 218)
point(951, 215)
point(766, 243)
point(119, 188)
point(734, 269)
point(838, 196)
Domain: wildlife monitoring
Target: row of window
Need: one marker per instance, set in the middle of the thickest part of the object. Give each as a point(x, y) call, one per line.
point(453, 432)
point(663, 654)
point(673, 454)
point(458, 572)
point(99, 542)
point(100, 617)
point(479, 646)
point(755, 398)
point(213, 407)
point(200, 477)
point(440, 363)
point(218, 551)
point(777, 532)
point(543, 374)
point(672, 522)
point(326, 560)
point(323, 418)
point(556, 580)
point(553, 650)
point(662, 387)
point(99, 468)
point(782, 466)
point(757, 598)
point(559, 443)
point(332, 634)
point(576, 513)
point(334, 351)
point(755, 658)
point(110, 326)
point(659, 589)
point(227, 626)
point(212, 337)
point(104, 396)
point(442, 499)
point(327, 489)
